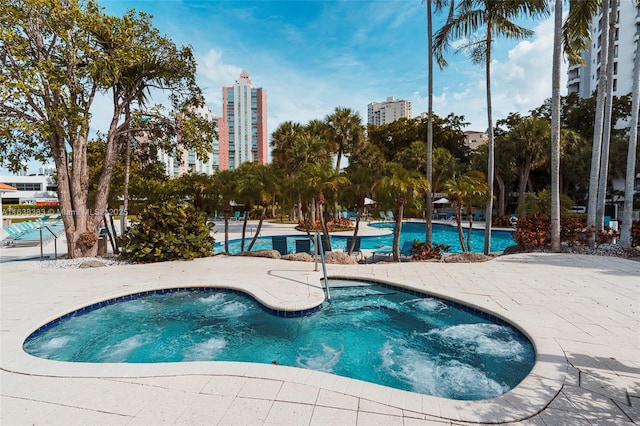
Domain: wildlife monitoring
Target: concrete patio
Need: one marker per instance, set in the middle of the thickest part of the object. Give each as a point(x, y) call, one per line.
point(581, 312)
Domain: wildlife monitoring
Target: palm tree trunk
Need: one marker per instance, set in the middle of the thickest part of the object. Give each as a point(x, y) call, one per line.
point(458, 213)
point(555, 128)
point(396, 232)
point(255, 236)
point(470, 214)
point(244, 227)
point(606, 131)
point(357, 226)
point(491, 155)
point(627, 219)
point(429, 209)
point(501, 195)
point(598, 125)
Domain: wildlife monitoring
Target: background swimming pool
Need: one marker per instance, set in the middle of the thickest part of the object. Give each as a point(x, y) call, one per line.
point(372, 333)
point(442, 234)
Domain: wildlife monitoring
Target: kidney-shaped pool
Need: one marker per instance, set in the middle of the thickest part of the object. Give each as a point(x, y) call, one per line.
point(372, 332)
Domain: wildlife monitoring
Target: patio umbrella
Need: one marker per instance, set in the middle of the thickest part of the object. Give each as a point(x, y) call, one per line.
point(441, 201)
point(368, 201)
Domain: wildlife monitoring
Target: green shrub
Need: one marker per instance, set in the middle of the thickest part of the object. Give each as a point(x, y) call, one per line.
point(167, 232)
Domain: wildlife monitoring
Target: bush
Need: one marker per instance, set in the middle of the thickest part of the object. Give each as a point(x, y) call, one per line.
point(533, 231)
point(635, 233)
point(422, 251)
point(168, 232)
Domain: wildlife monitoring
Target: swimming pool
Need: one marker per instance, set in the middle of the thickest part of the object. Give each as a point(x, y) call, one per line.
point(374, 333)
point(442, 234)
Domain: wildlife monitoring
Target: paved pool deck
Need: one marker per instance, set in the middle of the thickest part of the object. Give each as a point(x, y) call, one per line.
point(581, 312)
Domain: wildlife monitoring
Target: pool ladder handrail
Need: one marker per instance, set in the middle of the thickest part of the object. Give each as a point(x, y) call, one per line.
point(320, 250)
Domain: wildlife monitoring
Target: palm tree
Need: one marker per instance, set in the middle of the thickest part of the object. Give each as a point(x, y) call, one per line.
point(596, 153)
point(257, 181)
point(496, 19)
point(225, 187)
point(345, 132)
point(555, 127)
point(396, 188)
point(362, 181)
point(464, 191)
point(429, 205)
point(606, 127)
point(625, 229)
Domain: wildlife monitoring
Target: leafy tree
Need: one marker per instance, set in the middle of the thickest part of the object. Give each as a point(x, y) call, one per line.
point(56, 56)
point(527, 139)
point(495, 19)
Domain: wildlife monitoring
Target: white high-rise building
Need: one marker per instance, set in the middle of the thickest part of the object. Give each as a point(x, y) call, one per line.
point(380, 113)
point(583, 79)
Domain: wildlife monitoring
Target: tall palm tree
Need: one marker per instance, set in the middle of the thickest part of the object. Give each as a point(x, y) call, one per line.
point(606, 127)
point(625, 229)
point(429, 205)
point(596, 153)
point(555, 127)
point(495, 18)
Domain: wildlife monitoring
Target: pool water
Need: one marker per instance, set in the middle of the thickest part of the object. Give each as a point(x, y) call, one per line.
point(441, 234)
point(374, 333)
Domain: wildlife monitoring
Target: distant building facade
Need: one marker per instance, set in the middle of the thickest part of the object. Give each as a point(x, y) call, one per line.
point(187, 161)
point(379, 113)
point(245, 116)
point(473, 139)
point(583, 79)
point(38, 189)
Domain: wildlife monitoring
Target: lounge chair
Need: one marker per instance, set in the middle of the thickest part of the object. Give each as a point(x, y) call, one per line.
point(303, 246)
point(12, 231)
point(382, 216)
point(279, 243)
point(236, 215)
point(390, 215)
point(407, 249)
point(356, 246)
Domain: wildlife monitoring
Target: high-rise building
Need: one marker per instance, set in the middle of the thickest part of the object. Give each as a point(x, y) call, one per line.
point(380, 113)
point(187, 160)
point(245, 115)
point(583, 79)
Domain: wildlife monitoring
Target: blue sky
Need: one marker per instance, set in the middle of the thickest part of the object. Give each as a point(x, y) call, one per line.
point(313, 56)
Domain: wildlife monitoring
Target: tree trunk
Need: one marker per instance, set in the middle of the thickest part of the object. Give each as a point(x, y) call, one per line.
point(429, 209)
point(470, 214)
point(396, 232)
point(357, 226)
point(491, 154)
point(458, 213)
point(247, 210)
point(606, 127)
point(555, 128)
point(627, 216)
point(255, 236)
point(598, 126)
point(501, 195)
point(523, 181)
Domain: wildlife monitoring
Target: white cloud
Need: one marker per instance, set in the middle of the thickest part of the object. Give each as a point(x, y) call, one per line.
point(520, 82)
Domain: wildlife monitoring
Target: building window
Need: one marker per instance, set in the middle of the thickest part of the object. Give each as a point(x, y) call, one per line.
point(615, 85)
point(615, 51)
point(615, 68)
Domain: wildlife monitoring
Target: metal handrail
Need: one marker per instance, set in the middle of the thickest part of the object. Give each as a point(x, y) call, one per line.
point(320, 250)
point(55, 242)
